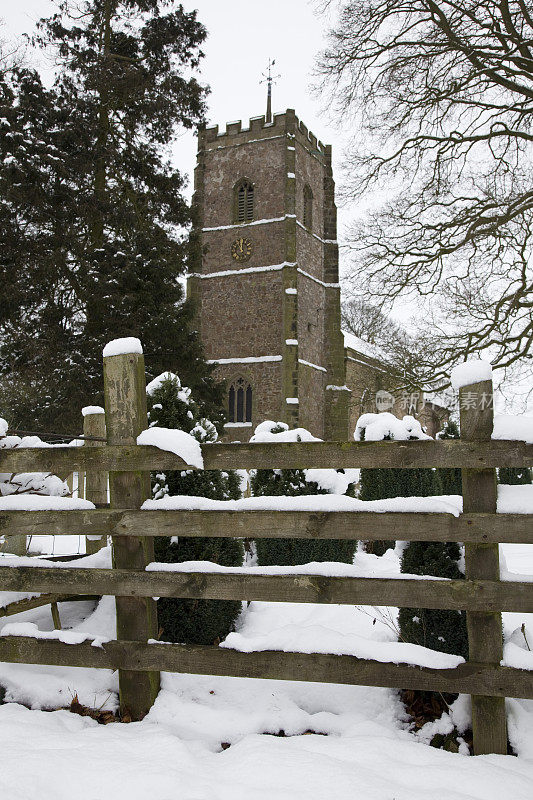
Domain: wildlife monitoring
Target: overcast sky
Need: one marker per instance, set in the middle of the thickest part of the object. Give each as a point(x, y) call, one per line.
point(242, 36)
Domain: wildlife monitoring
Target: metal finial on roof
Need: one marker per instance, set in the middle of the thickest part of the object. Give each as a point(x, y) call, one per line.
point(269, 79)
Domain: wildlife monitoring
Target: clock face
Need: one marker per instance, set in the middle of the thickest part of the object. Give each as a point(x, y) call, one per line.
point(241, 249)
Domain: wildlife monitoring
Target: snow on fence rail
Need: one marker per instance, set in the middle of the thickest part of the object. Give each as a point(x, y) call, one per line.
point(139, 658)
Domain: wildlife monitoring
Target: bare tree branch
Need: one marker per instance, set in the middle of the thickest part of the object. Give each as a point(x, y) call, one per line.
point(441, 92)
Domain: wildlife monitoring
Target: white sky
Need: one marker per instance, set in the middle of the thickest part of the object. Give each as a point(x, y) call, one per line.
point(242, 36)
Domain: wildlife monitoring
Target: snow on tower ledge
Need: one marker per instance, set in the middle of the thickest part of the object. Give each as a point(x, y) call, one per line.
point(472, 371)
point(118, 347)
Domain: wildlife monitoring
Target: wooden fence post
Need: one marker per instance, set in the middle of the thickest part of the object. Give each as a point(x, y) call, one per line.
point(16, 545)
point(482, 562)
point(95, 482)
point(126, 417)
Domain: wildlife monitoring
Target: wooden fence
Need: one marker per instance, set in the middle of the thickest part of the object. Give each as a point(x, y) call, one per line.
point(139, 661)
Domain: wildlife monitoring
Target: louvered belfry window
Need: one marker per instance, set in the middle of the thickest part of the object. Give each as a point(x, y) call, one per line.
point(245, 202)
point(240, 401)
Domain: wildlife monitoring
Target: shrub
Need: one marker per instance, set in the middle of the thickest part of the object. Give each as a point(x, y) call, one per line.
point(380, 484)
point(514, 476)
point(451, 482)
point(440, 630)
point(290, 483)
point(170, 405)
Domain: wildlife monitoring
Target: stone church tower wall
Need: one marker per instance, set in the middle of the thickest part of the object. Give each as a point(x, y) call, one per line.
point(271, 321)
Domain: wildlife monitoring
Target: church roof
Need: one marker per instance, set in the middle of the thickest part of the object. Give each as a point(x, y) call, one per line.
point(359, 345)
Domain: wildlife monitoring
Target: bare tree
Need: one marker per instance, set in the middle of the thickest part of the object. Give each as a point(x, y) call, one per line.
point(12, 53)
point(367, 321)
point(441, 92)
point(394, 345)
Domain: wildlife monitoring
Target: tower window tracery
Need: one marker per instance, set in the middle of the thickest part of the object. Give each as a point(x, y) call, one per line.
point(240, 401)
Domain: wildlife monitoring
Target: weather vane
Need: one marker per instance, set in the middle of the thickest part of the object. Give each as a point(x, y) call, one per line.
point(269, 79)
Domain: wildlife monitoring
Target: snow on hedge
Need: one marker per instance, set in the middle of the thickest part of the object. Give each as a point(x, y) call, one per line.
point(270, 431)
point(26, 484)
point(118, 347)
point(332, 481)
point(376, 427)
point(174, 441)
point(329, 480)
point(23, 485)
point(184, 393)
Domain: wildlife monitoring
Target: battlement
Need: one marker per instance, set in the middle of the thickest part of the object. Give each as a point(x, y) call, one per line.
point(286, 123)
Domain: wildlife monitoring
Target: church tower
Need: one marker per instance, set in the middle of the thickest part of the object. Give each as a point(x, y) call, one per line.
point(265, 280)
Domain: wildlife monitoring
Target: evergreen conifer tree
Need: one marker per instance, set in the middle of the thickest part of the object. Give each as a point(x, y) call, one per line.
point(37, 300)
point(444, 631)
point(378, 484)
point(284, 552)
point(96, 251)
point(171, 405)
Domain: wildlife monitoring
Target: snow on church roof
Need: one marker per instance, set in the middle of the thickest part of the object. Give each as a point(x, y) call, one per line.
point(364, 348)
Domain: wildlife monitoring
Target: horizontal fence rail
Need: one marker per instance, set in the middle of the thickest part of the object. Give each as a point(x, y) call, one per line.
point(361, 525)
point(289, 588)
point(273, 455)
point(137, 655)
point(468, 678)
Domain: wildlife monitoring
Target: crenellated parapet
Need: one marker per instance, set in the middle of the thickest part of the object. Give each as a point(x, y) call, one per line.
point(284, 124)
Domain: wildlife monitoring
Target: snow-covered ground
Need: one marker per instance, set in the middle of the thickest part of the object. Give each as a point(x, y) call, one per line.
point(214, 738)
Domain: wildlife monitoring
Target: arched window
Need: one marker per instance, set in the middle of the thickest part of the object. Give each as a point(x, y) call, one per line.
point(240, 401)
point(244, 201)
point(308, 207)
